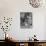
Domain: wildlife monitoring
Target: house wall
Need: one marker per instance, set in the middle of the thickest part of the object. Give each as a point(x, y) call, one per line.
point(12, 8)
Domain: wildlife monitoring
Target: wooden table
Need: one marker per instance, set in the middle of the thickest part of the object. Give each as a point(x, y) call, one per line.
point(30, 43)
point(27, 42)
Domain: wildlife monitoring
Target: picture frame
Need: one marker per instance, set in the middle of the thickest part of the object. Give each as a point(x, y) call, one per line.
point(25, 19)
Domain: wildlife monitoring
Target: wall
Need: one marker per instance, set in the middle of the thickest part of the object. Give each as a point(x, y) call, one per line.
point(12, 8)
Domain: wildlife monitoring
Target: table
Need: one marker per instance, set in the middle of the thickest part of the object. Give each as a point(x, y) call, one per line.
point(27, 42)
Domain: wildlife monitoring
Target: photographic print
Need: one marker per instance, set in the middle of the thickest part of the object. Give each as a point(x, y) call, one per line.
point(26, 19)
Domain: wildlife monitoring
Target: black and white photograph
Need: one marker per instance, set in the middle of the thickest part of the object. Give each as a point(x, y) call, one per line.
point(25, 19)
